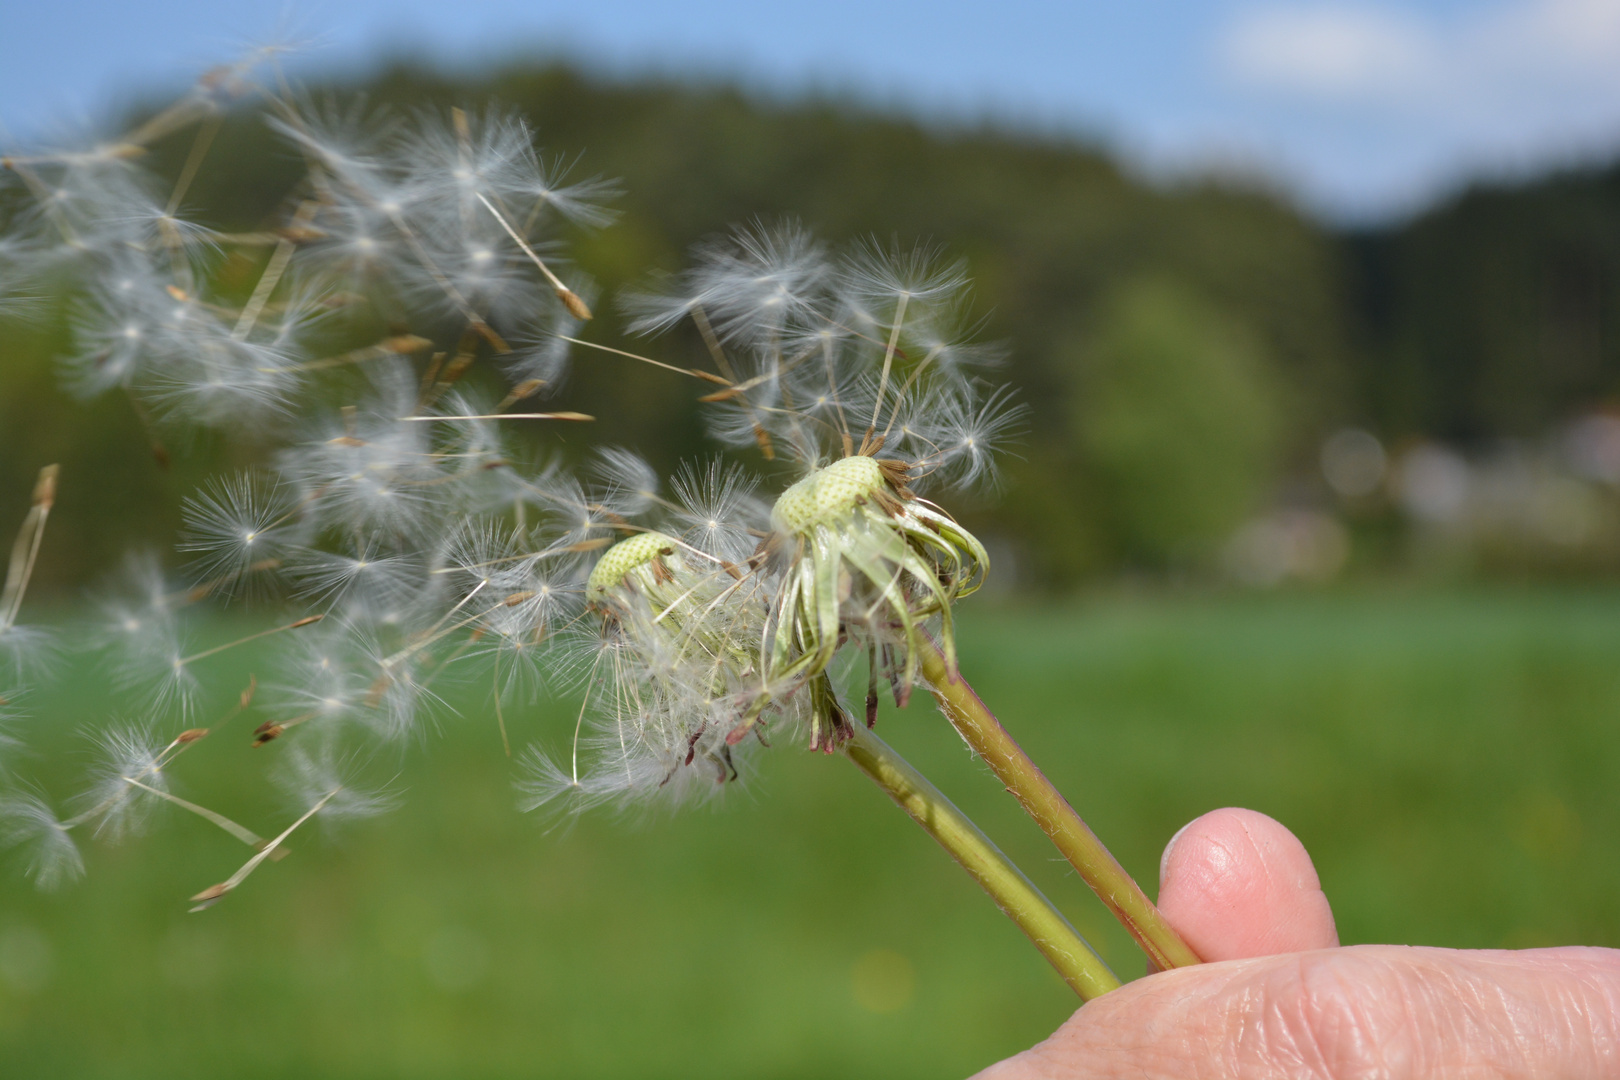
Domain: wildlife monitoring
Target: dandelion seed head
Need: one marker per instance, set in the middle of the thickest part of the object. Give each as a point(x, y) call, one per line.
point(871, 562)
point(829, 492)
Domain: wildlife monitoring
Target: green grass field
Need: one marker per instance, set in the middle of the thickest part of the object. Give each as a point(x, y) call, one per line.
point(1449, 758)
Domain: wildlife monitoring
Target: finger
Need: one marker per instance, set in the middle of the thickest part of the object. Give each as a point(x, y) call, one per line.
point(1237, 884)
point(1368, 1010)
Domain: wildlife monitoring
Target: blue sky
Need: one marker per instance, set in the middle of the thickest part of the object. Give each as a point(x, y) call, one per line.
point(1360, 109)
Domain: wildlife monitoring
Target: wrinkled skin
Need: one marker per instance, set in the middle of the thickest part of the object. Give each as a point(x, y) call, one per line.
point(1280, 998)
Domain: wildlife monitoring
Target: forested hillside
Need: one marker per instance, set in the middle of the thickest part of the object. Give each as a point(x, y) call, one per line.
point(1497, 313)
point(1182, 350)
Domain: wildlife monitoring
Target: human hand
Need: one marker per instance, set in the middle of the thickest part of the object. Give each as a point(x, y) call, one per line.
point(1280, 998)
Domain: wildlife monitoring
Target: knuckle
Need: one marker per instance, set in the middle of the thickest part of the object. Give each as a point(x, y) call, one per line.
point(1312, 1018)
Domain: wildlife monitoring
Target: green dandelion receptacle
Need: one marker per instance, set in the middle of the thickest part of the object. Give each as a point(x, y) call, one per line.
point(866, 559)
point(641, 560)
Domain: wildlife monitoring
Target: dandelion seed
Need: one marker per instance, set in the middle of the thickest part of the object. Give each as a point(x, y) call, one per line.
point(368, 580)
point(215, 893)
point(10, 717)
point(718, 509)
point(27, 821)
point(631, 485)
point(325, 776)
point(114, 806)
point(237, 526)
point(881, 278)
point(544, 782)
point(760, 282)
point(579, 202)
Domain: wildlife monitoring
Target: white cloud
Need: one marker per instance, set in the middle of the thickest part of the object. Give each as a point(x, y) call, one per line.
point(1376, 108)
point(1334, 51)
point(1362, 53)
point(1536, 44)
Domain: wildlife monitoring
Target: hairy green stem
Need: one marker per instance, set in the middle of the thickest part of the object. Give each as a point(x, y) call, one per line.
point(1052, 812)
point(1017, 897)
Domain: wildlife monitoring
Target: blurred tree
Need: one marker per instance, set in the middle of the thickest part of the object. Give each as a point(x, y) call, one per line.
point(1179, 412)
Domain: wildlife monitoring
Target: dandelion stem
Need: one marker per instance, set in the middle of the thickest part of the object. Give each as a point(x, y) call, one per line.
point(981, 730)
point(398, 345)
point(888, 360)
point(26, 548)
point(713, 343)
point(214, 893)
point(500, 716)
point(305, 621)
point(1013, 893)
point(498, 416)
point(246, 835)
point(271, 277)
point(575, 305)
point(199, 150)
point(694, 372)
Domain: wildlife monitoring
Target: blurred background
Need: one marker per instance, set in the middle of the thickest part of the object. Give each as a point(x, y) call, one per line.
point(1316, 307)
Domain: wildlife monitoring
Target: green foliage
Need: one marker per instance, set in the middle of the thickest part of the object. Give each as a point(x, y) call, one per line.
point(1178, 412)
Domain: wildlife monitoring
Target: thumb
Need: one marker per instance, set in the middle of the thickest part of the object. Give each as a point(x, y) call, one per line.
point(1236, 884)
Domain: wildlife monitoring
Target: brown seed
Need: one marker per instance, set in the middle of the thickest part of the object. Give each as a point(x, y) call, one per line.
point(300, 234)
point(45, 486)
point(526, 388)
point(576, 307)
point(766, 447)
point(405, 343)
point(210, 894)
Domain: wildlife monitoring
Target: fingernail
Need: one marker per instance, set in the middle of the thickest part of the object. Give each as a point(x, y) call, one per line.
point(1164, 859)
